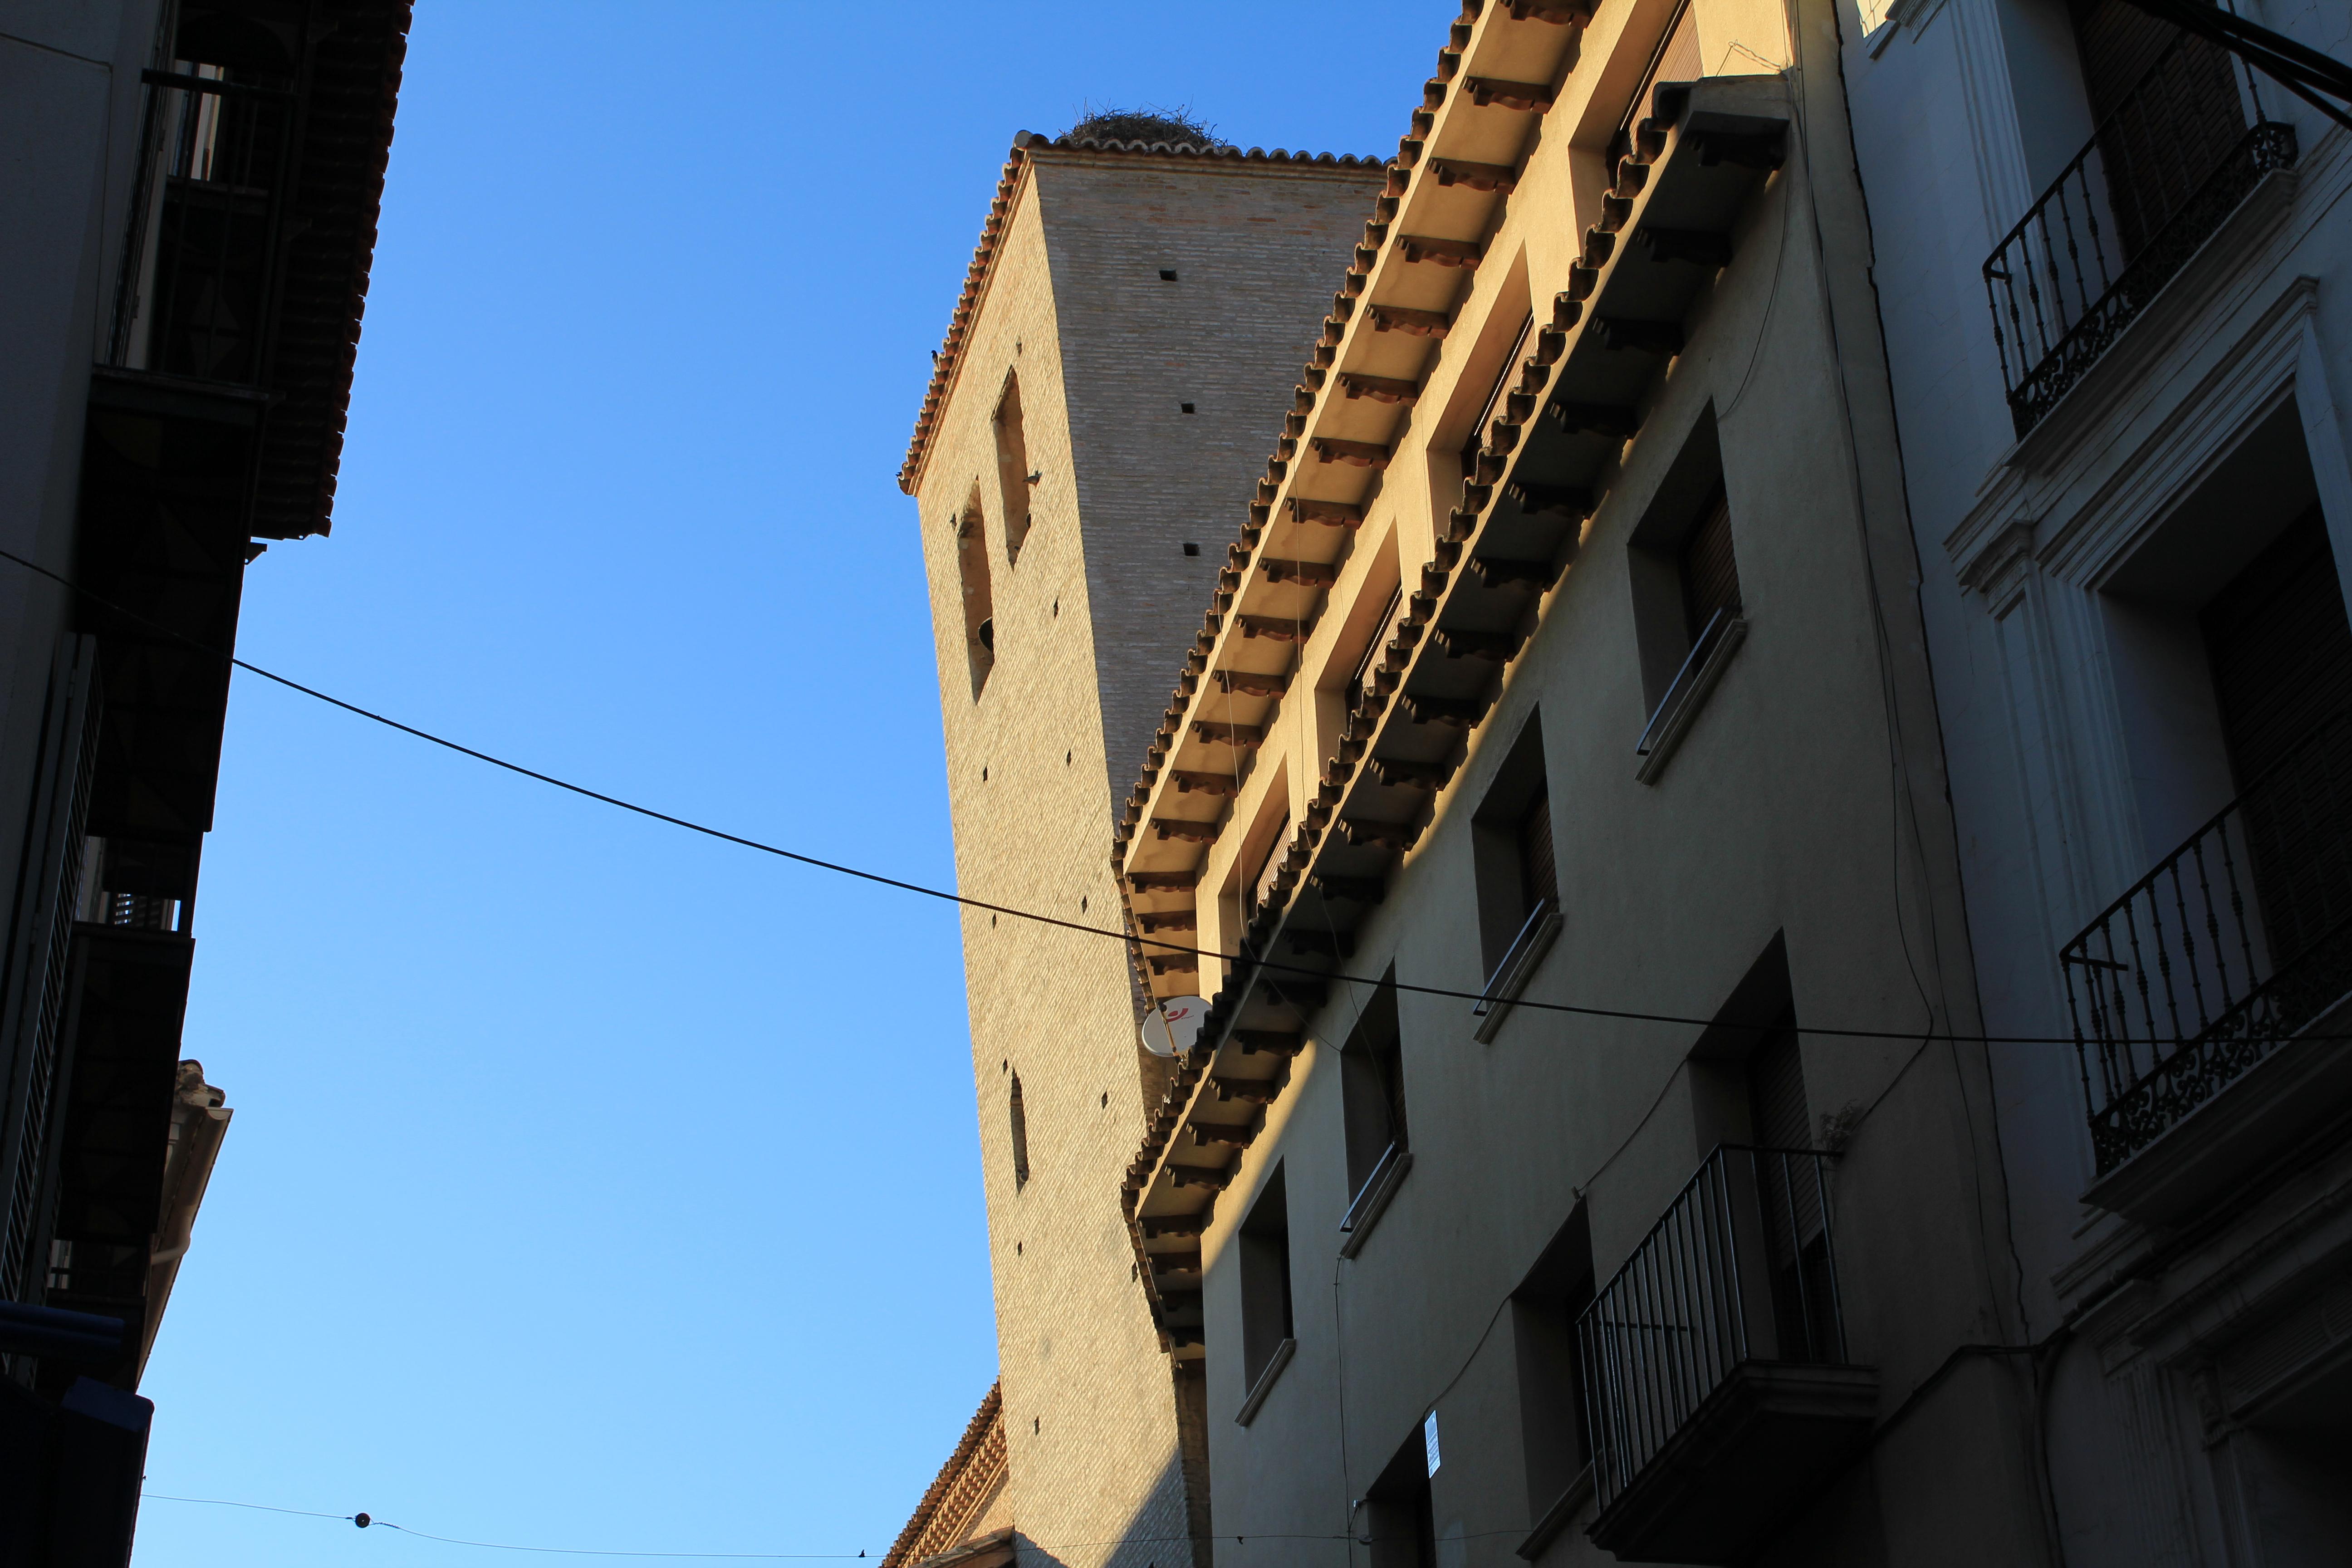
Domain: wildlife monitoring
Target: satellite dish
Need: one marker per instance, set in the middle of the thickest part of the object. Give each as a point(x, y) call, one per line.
point(1169, 1030)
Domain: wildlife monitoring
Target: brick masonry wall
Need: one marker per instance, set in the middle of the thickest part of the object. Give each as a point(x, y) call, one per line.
point(1091, 623)
point(1256, 253)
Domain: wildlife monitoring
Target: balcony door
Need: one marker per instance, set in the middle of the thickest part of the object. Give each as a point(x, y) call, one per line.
point(2166, 107)
point(1789, 1196)
point(2281, 650)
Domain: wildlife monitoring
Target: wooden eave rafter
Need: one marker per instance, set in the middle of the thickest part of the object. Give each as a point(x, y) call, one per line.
point(1303, 505)
point(1693, 168)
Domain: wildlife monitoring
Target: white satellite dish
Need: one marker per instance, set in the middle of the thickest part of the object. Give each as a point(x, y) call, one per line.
point(1169, 1030)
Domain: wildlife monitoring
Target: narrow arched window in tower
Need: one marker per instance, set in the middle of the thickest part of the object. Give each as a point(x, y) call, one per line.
point(1019, 1137)
point(1013, 467)
point(979, 603)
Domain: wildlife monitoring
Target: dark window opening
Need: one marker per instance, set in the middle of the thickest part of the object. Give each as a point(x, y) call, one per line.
point(1372, 1089)
point(1747, 1086)
point(1190, 548)
point(1538, 883)
point(978, 600)
point(1511, 850)
point(1013, 468)
point(1685, 570)
point(1259, 888)
point(1265, 1244)
point(1020, 1118)
point(1676, 58)
point(1710, 576)
point(1373, 645)
point(1185, 407)
point(1553, 1422)
point(1168, 275)
point(2280, 649)
point(1400, 1520)
point(1503, 374)
point(2158, 149)
point(1796, 1239)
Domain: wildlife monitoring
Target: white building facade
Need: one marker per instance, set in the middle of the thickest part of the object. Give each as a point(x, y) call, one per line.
point(2111, 264)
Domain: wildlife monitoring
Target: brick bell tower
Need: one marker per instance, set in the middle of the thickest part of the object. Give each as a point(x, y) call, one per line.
point(1135, 314)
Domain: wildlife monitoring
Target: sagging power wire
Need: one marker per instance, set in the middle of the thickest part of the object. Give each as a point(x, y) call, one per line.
point(366, 1521)
point(1241, 961)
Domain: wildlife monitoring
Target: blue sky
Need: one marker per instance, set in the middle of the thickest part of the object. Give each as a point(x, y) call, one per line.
point(593, 1184)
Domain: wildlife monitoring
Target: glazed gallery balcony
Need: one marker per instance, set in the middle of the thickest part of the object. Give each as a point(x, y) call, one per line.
point(2156, 179)
point(1718, 1391)
point(2209, 1001)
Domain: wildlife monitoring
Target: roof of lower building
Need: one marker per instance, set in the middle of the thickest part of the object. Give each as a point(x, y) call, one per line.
point(954, 1496)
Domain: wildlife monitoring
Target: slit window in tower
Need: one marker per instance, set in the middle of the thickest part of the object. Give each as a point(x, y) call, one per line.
point(1013, 468)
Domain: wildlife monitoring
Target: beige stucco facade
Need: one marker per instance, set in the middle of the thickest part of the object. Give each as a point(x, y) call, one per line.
point(1790, 810)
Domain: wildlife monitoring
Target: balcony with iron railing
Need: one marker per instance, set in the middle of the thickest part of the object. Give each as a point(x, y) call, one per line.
point(1718, 1389)
point(2208, 1002)
point(2157, 180)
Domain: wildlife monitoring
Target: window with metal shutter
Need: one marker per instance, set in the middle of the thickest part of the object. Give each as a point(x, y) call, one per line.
point(1537, 881)
point(2167, 109)
point(1710, 575)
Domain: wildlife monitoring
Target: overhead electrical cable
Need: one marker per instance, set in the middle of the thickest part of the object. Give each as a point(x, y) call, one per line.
point(1244, 960)
point(365, 1521)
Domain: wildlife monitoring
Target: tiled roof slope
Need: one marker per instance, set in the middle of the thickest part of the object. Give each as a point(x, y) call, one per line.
point(961, 1483)
point(984, 256)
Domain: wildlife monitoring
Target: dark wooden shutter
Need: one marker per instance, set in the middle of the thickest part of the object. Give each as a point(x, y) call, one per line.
point(2166, 122)
point(2281, 647)
point(1710, 575)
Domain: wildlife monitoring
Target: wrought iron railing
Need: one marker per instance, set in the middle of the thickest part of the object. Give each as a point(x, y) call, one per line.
point(2238, 940)
point(2154, 183)
point(1741, 1267)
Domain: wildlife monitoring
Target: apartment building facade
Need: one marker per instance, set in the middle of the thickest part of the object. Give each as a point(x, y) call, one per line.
point(1644, 1107)
point(1587, 1155)
point(191, 215)
point(1132, 316)
point(2112, 260)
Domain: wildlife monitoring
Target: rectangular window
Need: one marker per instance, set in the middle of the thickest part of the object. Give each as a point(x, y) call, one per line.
point(1796, 1240)
point(979, 600)
point(1383, 627)
point(1552, 1416)
point(1476, 438)
point(1538, 884)
point(1688, 607)
point(1269, 865)
point(1710, 577)
point(1371, 1091)
point(1511, 850)
point(1264, 1243)
point(1019, 1114)
point(1676, 58)
point(1013, 468)
point(1398, 1519)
